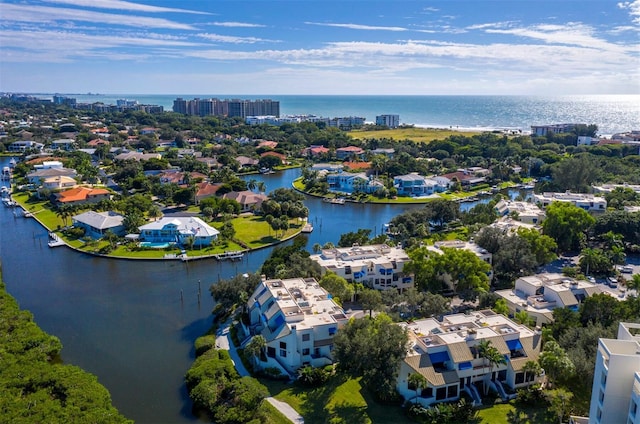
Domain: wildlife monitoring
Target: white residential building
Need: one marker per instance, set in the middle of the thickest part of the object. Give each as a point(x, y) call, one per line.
point(608, 188)
point(298, 320)
point(615, 394)
point(416, 185)
point(446, 354)
point(526, 212)
point(391, 121)
point(588, 202)
point(376, 266)
point(540, 294)
point(178, 230)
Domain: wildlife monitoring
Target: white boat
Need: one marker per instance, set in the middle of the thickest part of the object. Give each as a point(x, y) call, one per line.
point(6, 173)
point(307, 228)
point(336, 201)
point(13, 162)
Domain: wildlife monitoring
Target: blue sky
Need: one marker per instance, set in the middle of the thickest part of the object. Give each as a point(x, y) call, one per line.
point(320, 47)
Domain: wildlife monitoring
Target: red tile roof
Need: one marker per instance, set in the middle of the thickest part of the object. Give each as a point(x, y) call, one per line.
point(79, 194)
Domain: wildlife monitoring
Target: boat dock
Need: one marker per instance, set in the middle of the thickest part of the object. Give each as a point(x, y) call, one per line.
point(307, 228)
point(233, 255)
point(54, 240)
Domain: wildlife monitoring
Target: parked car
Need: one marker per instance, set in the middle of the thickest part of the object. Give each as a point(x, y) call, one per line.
point(627, 269)
point(612, 282)
point(591, 279)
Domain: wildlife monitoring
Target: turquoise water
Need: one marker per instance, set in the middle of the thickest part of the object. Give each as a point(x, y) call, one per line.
point(154, 245)
point(612, 113)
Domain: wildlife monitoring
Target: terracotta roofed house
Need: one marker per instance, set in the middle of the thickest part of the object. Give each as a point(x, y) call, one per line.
point(80, 195)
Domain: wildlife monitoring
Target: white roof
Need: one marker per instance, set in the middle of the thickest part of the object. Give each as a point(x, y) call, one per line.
point(100, 220)
point(190, 224)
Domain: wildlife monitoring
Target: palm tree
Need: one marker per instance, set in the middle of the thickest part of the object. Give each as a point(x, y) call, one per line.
point(418, 382)
point(255, 348)
point(252, 184)
point(317, 248)
point(262, 187)
point(531, 368)
point(154, 212)
point(493, 357)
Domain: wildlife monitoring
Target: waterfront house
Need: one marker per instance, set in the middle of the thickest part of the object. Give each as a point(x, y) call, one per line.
point(377, 266)
point(348, 183)
point(416, 185)
point(446, 353)
point(298, 320)
point(283, 158)
point(249, 201)
point(588, 202)
point(327, 167)
point(540, 294)
point(21, 146)
point(246, 162)
point(96, 224)
point(177, 230)
point(80, 196)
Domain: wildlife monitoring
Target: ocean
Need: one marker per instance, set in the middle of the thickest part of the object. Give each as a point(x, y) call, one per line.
point(612, 113)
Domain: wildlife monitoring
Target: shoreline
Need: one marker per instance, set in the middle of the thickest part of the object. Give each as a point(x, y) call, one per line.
point(177, 257)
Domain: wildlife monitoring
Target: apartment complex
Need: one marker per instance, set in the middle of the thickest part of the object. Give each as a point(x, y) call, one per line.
point(588, 202)
point(227, 107)
point(540, 294)
point(446, 353)
point(391, 121)
point(298, 320)
point(376, 266)
point(615, 394)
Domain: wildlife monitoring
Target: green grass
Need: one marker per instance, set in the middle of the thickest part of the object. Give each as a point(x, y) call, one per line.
point(273, 415)
point(422, 135)
point(340, 400)
point(498, 414)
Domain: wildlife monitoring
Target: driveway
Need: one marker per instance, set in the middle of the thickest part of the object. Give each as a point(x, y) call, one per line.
point(223, 341)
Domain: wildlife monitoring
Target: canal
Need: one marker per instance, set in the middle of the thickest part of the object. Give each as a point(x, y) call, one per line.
point(133, 323)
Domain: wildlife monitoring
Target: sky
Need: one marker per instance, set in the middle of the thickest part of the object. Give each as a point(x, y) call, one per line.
point(349, 47)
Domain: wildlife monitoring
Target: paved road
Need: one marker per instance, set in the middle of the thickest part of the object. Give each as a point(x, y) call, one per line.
point(223, 341)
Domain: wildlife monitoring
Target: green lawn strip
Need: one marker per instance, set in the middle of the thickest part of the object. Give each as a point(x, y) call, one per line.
point(339, 400)
point(498, 414)
point(421, 135)
point(255, 232)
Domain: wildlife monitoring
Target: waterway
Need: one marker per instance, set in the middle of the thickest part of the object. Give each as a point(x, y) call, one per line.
point(133, 323)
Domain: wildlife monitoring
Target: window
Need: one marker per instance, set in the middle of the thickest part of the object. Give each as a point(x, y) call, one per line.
point(347, 269)
point(305, 351)
point(519, 378)
point(283, 353)
point(283, 345)
point(603, 379)
point(633, 409)
point(332, 331)
point(428, 392)
point(441, 393)
point(601, 397)
point(306, 337)
point(452, 391)
point(271, 352)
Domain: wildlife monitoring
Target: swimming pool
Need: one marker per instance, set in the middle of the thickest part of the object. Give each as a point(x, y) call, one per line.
point(155, 245)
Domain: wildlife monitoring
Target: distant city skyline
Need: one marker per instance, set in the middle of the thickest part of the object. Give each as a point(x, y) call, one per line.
point(301, 47)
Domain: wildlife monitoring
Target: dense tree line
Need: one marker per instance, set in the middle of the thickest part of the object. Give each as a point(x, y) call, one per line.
point(34, 385)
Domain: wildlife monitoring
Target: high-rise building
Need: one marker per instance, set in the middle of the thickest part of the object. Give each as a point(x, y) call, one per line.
point(615, 394)
point(234, 107)
point(391, 121)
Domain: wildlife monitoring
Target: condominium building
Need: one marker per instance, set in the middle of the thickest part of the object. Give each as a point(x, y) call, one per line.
point(615, 394)
point(540, 294)
point(446, 353)
point(588, 202)
point(542, 130)
point(376, 266)
point(391, 121)
point(233, 107)
point(298, 320)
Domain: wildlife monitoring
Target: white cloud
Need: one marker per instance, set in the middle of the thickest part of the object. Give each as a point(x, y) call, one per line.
point(231, 39)
point(357, 26)
point(237, 25)
point(123, 5)
point(23, 13)
point(634, 9)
